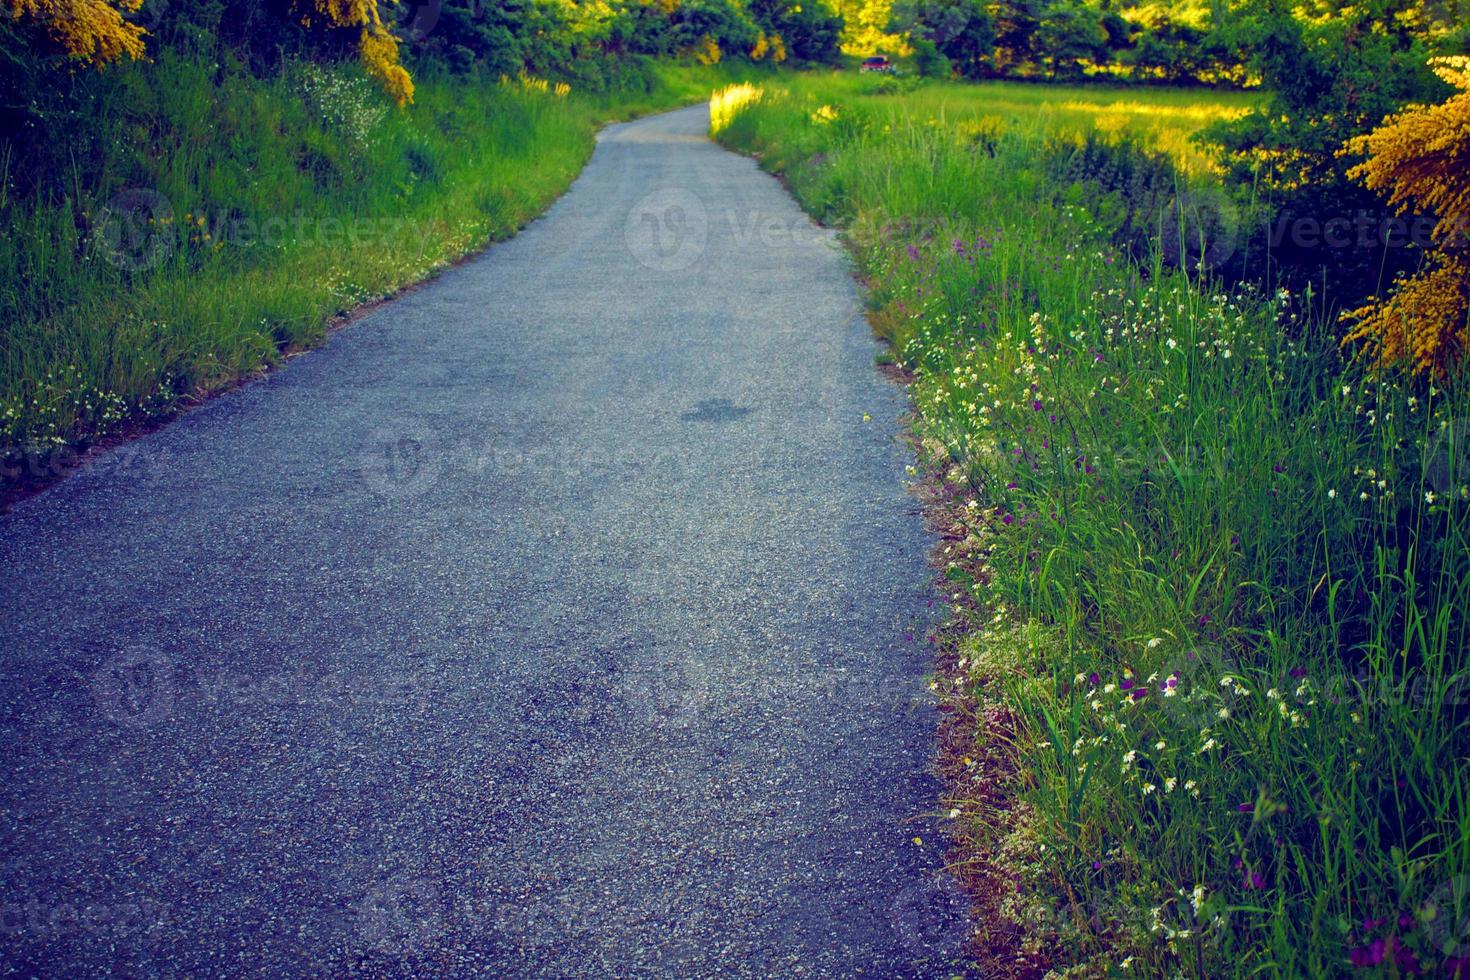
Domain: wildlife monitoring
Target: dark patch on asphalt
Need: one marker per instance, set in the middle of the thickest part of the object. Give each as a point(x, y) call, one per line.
point(716, 410)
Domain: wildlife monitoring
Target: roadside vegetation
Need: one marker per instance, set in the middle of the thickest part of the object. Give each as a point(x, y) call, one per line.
point(1208, 565)
point(196, 261)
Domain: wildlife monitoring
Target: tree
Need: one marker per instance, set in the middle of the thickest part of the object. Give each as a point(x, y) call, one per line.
point(1016, 23)
point(724, 23)
point(99, 32)
point(1330, 77)
point(1421, 159)
point(865, 27)
point(810, 29)
point(1170, 50)
point(1068, 35)
point(92, 31)
point(960, 30)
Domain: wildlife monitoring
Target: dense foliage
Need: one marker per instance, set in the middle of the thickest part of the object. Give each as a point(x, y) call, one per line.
point(593, 46)
point(1421, 158)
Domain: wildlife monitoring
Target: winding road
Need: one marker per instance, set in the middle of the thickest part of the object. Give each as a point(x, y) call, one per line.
point(563, 617)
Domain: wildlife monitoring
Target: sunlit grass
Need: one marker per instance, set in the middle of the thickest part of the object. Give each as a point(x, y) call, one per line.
point(1164, 119)
point(725, 102)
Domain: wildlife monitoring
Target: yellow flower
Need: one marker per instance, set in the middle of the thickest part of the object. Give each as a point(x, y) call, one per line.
point(1421, 159)
point(89, 30)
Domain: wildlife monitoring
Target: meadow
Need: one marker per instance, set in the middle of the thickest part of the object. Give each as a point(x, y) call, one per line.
point(213, 221)
point(1209, 575)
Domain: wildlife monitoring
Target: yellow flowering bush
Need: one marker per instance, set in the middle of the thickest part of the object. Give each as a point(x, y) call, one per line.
point(377, 46)
point(707, 51)
point(98, 32)
point(380, 57)
point(1421, 159)
point(94, 31)
point(769, 46)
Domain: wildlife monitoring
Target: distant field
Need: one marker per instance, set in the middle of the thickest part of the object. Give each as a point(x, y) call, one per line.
point(1164, 119)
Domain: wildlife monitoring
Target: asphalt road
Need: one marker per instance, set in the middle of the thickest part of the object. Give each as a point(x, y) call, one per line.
point(563, 617)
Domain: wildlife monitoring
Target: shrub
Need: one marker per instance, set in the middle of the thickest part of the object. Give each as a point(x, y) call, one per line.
point(1421, 159)
point(929, 61)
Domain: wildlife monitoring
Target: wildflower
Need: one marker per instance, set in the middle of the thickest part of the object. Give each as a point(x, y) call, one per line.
point(1370, 955)
point(1331, 494)
point(1429, 496)
point(1154, 642)
point(1159, 745)
point(1170, 783)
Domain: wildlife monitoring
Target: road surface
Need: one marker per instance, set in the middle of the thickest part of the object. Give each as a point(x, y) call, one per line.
point(564, 617)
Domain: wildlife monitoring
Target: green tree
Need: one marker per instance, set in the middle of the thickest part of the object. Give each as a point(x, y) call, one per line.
point(1016, 23)
point(1069, 35)
point(960, 30)
point(811, 29)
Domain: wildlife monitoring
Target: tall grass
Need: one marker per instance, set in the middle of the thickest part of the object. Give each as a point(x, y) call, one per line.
point(1219, 577)
point(211, 221)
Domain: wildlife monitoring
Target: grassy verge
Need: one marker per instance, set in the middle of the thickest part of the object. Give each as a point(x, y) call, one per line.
point(221, 220)
point(1209, 582)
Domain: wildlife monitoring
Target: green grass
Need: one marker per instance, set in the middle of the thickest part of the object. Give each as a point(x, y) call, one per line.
point(1160, 487)
point(270, 206)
